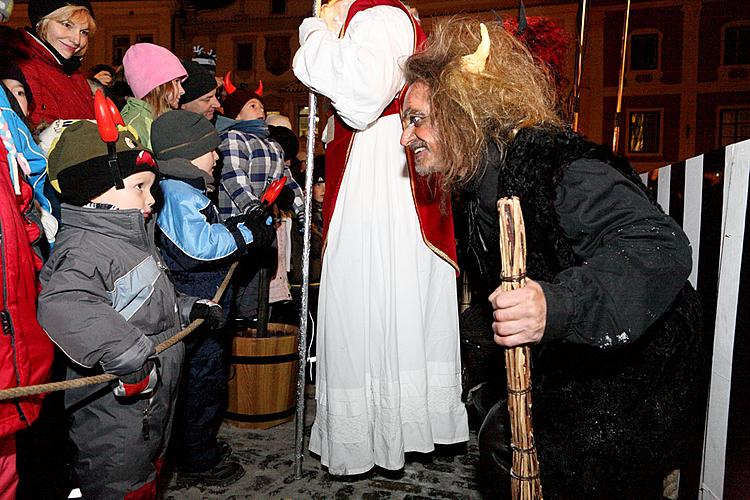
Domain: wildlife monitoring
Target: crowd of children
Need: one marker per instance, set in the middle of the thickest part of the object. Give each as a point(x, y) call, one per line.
point(146, 228)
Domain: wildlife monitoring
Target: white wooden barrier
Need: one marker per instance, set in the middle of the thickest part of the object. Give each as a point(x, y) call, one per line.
point(736, 173)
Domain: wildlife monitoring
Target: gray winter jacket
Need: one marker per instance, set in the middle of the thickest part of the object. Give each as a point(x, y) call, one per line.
point(105, 298)
point(107, 302)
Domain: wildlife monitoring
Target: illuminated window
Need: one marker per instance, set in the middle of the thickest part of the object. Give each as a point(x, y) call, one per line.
point(734, 125)
point(644, 132)
point(737, 45)
point(644, 52)
point(303, 116)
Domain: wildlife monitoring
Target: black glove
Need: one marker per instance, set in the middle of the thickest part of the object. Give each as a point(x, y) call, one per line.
point(301, 222)
point(261, 225)
point(285, 200)
point(141, 381)
point(209, 311)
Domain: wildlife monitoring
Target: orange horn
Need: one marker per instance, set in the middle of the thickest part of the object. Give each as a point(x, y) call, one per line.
point(228, 86)
point(259, 90)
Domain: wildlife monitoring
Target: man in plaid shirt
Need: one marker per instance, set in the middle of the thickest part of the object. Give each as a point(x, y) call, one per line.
point(251, 161)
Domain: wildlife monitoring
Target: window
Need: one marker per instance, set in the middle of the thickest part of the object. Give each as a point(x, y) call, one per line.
point(120, 44)
point(303, 115)
point(737, 45)
point(245, 52)
point(734, 125)
point(278, 6)
point(144, 39)
point(644, 52)
point(644, 132)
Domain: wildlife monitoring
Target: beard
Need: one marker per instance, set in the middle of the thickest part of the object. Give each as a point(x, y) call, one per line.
point(423, 170)
point(420, 167)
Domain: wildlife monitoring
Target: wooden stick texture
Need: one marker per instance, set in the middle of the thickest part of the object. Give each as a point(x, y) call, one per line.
point(525, 483)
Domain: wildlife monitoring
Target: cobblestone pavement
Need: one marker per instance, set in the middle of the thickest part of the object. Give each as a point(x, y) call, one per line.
point(268, 458)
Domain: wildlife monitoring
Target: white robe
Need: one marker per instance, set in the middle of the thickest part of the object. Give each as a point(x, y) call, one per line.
point(388, 348)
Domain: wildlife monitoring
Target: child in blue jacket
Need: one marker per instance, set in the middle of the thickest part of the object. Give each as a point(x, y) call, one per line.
point(198, 250)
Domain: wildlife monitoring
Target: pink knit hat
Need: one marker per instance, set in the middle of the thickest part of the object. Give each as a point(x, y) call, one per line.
point(147, 66)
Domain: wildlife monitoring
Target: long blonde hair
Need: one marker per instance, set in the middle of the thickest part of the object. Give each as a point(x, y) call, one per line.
point(75, 13)
point(470, 110)
point(159, 98)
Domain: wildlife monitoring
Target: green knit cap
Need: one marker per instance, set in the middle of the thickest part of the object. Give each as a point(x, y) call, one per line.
point(78, 163)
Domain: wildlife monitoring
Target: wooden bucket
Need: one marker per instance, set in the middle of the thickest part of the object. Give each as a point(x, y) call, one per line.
point(263, 377)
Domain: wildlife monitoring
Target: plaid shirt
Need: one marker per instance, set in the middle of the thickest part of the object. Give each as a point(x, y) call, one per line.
point(250, 164)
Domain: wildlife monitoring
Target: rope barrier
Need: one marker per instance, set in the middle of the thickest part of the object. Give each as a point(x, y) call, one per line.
point(29, 390)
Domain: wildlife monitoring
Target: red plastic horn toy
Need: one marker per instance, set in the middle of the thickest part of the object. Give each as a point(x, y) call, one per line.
point(107, 119)
point(272, 192)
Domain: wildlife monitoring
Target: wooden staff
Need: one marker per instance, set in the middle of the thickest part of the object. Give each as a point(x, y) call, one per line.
point(524, 474)
point(621, 81)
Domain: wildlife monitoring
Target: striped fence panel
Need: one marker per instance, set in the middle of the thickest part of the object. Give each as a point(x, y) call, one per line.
point(708, 196)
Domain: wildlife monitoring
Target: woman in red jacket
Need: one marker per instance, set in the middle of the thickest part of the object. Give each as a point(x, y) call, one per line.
point(49, 54)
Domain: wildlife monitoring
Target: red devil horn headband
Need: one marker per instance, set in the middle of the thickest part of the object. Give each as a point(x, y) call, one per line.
point(230, 88)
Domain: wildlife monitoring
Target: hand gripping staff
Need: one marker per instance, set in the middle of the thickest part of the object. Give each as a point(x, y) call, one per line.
point(107, 119)
point(267, 199)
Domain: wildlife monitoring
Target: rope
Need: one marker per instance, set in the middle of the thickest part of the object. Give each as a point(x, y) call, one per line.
point(28, 390)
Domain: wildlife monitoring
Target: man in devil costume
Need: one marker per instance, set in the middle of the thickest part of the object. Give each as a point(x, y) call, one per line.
point(615, 330)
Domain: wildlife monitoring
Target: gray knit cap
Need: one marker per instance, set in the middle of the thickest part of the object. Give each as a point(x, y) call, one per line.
point(182, 134)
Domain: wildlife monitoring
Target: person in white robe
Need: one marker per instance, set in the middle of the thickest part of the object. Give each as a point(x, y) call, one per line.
point(388, 347)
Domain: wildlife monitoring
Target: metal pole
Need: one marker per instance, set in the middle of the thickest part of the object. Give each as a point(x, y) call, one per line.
point(582, 9)
point(299, 422)
point(621, 83)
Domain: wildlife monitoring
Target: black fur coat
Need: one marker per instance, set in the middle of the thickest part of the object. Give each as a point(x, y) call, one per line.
point(611, 413)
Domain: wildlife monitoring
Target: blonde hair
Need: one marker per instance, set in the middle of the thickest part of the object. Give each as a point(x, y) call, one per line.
point(158, 98)
point(75, 13)
point(470, 110)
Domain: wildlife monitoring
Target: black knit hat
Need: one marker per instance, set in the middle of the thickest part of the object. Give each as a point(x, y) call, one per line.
point(287, 139)
point(319, 169)
point(41, 8)
point(182, 134)
point(78, 163)
point(199, 82)
point(10, 71)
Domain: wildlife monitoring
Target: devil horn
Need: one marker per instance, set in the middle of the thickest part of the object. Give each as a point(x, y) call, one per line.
point(228, 86)
point(522, 20)
point(474, 63)
point(259, 90)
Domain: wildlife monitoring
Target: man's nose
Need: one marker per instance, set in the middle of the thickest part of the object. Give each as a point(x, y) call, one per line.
point(407, 136)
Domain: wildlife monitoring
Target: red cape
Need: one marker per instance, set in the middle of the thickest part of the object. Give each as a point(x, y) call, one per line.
point(436, 226)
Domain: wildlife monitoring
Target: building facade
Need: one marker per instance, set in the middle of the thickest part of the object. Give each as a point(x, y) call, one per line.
point(687, 70)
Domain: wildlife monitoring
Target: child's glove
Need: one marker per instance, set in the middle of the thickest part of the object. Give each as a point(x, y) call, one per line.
point(301, 222)
point(141, 381)
point(210, 312)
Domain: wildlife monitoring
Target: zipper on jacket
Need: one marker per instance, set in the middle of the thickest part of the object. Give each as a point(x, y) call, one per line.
point(7, 325)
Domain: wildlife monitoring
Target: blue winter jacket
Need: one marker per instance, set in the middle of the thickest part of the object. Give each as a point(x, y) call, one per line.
point(196, 247)
point(25, 145)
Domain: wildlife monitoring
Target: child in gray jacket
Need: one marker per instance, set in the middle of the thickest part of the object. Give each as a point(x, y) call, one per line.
point(107, 302)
